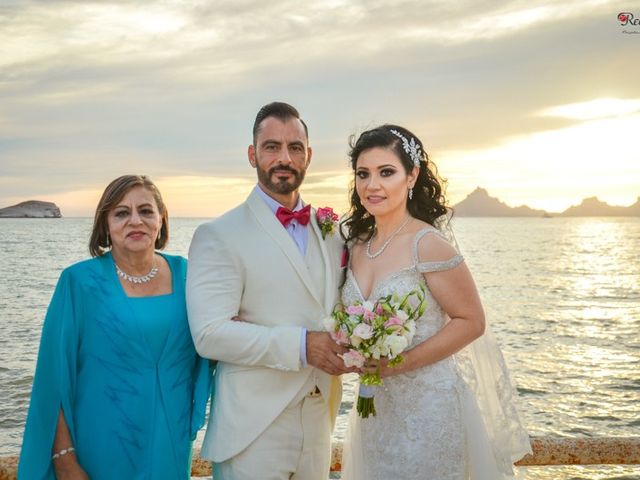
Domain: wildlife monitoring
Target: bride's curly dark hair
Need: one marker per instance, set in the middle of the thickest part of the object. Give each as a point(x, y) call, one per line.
point(428, 202)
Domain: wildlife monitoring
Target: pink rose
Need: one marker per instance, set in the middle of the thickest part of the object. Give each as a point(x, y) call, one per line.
point(368, 315)
point(325, 214)
point(353, 358)
point(327, 221)
point(355, 309)
point(393, 321)
point(340, 337)
point(379, 309)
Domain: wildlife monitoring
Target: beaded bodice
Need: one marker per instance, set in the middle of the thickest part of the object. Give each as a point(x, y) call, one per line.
point(404, 281)
point(432, 320)
point(414, 408)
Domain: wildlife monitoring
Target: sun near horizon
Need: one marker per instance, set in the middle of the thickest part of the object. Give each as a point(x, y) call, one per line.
point(550, 170)
point(538, 103)
point(204, 197)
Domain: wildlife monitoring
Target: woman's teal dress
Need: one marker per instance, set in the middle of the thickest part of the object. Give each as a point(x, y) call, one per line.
point(126, 374)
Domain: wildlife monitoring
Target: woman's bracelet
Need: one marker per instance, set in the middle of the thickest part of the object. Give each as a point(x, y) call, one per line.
point(62, 452)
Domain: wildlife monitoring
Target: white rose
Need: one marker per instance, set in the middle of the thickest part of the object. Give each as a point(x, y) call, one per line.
point(355, 340)
point(408, 336)
point(329, 324)
point(410, 331)
point(402, 315)
point(396, 344)
point(363, 331)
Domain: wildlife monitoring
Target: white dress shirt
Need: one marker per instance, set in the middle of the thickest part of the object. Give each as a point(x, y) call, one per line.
point(298, 233)
point(300, 236)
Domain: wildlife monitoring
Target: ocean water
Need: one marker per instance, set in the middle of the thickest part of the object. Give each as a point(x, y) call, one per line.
point(562, 295)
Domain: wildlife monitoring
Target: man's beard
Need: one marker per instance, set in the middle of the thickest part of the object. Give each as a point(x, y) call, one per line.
point(280, 186)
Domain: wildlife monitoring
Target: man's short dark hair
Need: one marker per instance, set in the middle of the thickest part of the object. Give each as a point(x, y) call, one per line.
point(280, 110)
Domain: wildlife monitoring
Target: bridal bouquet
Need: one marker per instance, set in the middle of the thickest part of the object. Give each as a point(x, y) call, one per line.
point(374, 330)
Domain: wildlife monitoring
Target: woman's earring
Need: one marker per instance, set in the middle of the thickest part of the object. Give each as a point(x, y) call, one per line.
point(108, 240)
point(410, 193)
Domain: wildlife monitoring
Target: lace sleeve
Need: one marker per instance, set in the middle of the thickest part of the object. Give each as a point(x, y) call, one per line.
point(426, 267)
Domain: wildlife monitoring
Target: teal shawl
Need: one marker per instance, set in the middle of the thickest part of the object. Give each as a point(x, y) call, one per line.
point(95, 364)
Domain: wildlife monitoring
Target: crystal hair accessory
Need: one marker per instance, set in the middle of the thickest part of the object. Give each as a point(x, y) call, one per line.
point(410, 147)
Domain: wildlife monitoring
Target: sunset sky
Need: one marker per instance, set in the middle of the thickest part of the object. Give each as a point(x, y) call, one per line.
point(536, 101)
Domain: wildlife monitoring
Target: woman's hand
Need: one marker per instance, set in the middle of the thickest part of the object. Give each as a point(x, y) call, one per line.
point(380, 366)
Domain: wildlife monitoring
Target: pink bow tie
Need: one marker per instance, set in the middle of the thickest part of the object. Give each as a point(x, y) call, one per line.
point(286, 216)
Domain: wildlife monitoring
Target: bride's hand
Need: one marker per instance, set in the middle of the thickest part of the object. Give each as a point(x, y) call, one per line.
point(381, 366)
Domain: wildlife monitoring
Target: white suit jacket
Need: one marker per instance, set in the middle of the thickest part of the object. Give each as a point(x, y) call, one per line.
point(245, 263)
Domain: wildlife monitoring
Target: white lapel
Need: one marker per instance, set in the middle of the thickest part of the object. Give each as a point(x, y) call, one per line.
point(330, 285)
point(273, 227)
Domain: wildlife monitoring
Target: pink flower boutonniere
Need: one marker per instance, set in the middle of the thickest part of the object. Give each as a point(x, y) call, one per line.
point(327, 221)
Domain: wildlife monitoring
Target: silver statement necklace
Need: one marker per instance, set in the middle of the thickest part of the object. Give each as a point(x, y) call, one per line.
point(370, 255)
point(135, 279)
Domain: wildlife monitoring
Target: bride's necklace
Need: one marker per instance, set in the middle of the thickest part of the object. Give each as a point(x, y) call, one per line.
point(137, 279)
point(370, 255)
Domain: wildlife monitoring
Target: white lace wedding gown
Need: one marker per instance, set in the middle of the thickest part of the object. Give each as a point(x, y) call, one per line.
point(443, 421)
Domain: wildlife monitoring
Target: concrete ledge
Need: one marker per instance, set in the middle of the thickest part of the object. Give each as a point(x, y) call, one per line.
point(583, 451)
point(562, 451)
point(546, 451)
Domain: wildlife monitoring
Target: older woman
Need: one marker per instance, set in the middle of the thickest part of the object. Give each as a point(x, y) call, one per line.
point(119, 391)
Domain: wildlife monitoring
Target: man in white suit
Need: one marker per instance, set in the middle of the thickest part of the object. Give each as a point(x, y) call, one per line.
point(266, 263)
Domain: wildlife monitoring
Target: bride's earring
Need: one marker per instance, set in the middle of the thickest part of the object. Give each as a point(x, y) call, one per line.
point(410, 193)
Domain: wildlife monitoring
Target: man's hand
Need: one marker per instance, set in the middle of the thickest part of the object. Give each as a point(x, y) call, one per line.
point(323, 351)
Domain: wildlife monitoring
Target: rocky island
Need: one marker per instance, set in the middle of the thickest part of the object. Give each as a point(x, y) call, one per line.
point(592, 207)
point(31, 209)
point(480, 204)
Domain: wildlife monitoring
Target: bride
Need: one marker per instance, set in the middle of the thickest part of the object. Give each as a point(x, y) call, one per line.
point(446, 412)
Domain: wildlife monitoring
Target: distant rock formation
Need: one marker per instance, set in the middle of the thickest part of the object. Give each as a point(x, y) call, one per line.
point(31, 209)
point(480, 204)
point(592, 207)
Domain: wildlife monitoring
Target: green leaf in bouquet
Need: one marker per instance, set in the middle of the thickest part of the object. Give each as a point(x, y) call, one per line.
point(371, 379)
point(405, 299)
point(396, 361)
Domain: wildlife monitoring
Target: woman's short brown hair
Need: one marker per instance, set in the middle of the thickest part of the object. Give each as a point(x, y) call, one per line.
point(100, 243)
